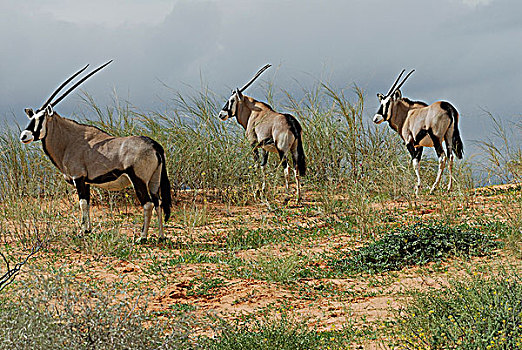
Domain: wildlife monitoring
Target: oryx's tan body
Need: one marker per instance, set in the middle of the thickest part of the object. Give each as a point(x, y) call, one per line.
point(264, 127)
point(86, 155)
point(268, 131)
point(83, 151)
point(420, 125)
point(410, 118)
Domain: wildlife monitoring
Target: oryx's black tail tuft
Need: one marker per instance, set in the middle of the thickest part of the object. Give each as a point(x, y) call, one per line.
point(296, 129)
point(166, 197)
point(165, 188)
point(458, 146)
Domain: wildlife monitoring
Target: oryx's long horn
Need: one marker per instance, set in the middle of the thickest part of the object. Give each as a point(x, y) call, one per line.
point(62, 86)
point(393, 86)
point(255, 77)
point(78, 83)
point(410, 73)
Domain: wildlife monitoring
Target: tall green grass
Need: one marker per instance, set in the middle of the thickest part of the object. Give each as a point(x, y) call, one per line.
point(342, 146)
point(502, 153)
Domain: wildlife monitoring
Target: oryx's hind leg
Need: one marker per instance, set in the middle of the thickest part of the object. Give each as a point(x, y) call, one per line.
point(154, 190)
point(296, 175)
point(84, 195)
point(442, 159)
point(142, 193)
point(286, 168)
point(449, 152)
point(416, 155)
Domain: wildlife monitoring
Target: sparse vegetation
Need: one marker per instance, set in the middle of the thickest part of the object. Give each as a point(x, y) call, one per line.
point(476, 312)
point(234, 274)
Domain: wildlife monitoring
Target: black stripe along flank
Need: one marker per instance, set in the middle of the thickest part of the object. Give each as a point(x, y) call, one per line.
point(112, 175)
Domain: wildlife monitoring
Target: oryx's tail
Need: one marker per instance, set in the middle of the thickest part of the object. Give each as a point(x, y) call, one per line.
point(166, 198)
point(301, 160)
point(458, 146)
point(296, 129)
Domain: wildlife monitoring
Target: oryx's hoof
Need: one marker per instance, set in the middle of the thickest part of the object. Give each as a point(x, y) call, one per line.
point(141, 240)
point(162, 239)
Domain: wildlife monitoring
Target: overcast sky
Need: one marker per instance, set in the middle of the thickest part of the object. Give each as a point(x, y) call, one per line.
point(468, 52)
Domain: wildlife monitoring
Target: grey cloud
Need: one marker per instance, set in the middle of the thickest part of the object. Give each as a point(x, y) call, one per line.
point(469, 55)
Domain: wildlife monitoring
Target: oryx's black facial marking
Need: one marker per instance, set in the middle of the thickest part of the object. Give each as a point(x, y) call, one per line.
point(229, 110)
point(35, 130)
point(384, 109)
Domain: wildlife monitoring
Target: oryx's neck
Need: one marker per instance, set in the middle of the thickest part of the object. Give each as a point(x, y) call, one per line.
point(250, 109)
point(64, 134)
point(399, 112)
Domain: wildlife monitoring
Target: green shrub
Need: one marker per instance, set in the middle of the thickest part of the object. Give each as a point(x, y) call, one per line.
point(474, 313)
point(417, 244)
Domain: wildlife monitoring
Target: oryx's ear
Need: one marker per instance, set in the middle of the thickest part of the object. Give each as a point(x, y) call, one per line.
point(380, 96)
point(49, 110)
point(397, 95)
point(29, 112)
point(239, 95)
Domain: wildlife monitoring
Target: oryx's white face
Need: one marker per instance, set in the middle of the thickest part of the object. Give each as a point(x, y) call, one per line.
point(385, 109)
point(229, 110)
point(36, 129)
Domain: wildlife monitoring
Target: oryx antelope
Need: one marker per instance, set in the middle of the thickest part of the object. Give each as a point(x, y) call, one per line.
point(420, 126)
point(268, 131)
point(86, 155)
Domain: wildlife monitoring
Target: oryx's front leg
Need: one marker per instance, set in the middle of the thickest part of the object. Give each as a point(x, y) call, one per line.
point(416, 154)
point(416, 167)
point(84, 195)
point(264, 160)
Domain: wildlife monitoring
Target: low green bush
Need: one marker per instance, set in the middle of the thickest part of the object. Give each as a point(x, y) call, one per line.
point(417, 244)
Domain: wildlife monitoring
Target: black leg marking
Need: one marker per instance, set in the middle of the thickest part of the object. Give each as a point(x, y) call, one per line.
point(282, 157)
point(84, 193)
point(264, 157)
point(418, 153)
point(155, 200)
point(422, 134)
point(411, 149)
point(436, 143)
point(142, 192)
point(83, 189)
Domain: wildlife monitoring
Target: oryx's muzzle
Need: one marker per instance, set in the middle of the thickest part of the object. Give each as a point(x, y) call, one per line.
point(26, 136)
point(378, 118)
point(223, 115)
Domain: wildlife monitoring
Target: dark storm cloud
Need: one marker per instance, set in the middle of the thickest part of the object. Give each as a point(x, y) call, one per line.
point(467, 52)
